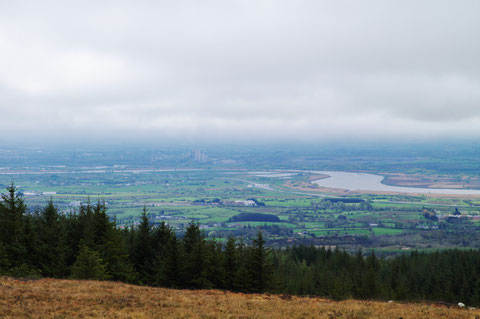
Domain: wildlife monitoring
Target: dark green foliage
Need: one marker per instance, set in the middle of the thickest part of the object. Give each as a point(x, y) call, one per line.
point(4, 263)
point(257, 202)
point(230, 263)
point(254, 217)
point(172, 271)
point(215, 260)
point(242, 278)
point(194, 246)
point(88, 245)
point(115, 256)
point(89, 265)
point(161, 236)
point(167, 255)
point(52, 245)
point(259, 265)
point(12, 223)
point(142, 253)
point(448, 276)
point(344, 200)
point(30, 241)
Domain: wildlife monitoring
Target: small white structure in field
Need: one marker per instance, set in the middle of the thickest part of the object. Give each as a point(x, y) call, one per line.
point(461, 304)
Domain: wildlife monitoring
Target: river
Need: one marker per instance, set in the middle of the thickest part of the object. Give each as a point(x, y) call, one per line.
point(371, 182)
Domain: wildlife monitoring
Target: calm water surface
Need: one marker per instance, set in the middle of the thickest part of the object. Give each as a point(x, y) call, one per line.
point(371, 182)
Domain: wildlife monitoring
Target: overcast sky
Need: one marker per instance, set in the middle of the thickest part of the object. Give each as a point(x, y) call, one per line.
point(239, 70)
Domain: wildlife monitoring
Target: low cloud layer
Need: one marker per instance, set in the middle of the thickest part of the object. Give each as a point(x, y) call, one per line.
point(240, 70)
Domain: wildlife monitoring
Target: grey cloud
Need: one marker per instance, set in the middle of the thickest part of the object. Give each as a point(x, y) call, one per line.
point(237, 69)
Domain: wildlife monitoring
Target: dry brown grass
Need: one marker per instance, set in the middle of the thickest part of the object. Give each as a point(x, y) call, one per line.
point(49, 298)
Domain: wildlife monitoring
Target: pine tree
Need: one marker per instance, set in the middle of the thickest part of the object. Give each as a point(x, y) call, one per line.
point(30, 242)
point(259, 267)
point(52, 244)
point(192, 237)
point(172, 272)
point(86, 228)
point(4, 263)
point(72, 226)
point(115, 256)
point(370, 284)
point(143, 252)
point(100, 225)
point(195, 254)
point(161, 236)
point(12, 214)
point(110, 244)
point(242, 279)
point(161, 239)
point(231, 263)
point(89, 265)
point(215, 264)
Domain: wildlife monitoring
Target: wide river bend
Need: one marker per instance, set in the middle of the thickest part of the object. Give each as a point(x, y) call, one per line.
point(371, 182)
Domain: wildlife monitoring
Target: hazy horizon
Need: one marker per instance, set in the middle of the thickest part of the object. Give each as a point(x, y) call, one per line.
point(239, 72)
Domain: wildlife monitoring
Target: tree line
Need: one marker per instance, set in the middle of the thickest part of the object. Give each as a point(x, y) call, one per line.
point(87, 244)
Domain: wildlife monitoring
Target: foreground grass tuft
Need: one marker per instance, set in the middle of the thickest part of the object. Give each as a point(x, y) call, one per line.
point(51, 298)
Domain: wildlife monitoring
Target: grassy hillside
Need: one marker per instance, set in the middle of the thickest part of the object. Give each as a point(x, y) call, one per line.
point(51, 298)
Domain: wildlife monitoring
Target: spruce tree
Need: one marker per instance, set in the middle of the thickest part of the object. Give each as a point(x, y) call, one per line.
point(100, 225)
point(12, 228)
point(115, 256)
point(231, 263)
point(89, 265)
point(143, 254)
point(4, 263)
point(195, 254)
point(192, 237)
point(172, 272)
point(242, 279)
point(215, 264)
point(161, 236)
point(161, 239)
point(259, 266)
point(30, 243)
point(85, 226)
point(52, 244)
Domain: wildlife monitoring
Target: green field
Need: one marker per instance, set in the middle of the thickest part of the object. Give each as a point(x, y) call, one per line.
point(208, 197)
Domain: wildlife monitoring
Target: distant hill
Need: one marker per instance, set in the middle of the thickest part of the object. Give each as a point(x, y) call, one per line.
point(53, 298)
